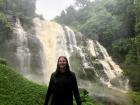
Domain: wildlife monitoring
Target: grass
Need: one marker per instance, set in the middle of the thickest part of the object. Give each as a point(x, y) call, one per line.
point(16, 90)
point(135, 96)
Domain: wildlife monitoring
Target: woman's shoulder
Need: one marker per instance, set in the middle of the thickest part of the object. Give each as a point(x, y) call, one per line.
point(53, 74)
point(72, 74)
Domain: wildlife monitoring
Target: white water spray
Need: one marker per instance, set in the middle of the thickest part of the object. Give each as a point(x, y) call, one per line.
point(22, 52)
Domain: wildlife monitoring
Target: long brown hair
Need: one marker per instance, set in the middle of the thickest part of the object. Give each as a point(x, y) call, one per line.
point(67, 65)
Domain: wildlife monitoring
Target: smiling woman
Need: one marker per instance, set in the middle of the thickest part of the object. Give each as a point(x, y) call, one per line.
point(62, 85)
point(51, 8)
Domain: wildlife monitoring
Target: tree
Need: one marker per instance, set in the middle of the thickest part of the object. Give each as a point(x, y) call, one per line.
point(82, 3)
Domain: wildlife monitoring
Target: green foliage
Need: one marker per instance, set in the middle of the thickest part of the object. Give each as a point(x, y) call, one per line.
point(1, 4)
point(74, 18)
point(68, 16)
point(131, 57)
point(137, 11)
point(137, 40)
point(5, 28)
point(3, 21)
point(86, 99)
point(122, 46)
point(3, 61)
point(16, 90)
point(135, 96)
point(81, 3)
point(116, 25)
point(125, 49)
point(23, 9)
point(99, 21)
point(133, 73)
point(128, 51)
point(137, 43)
point(137, 27)
point(101, 27)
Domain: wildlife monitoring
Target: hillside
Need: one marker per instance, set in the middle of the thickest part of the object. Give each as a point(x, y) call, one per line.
point(16, 90)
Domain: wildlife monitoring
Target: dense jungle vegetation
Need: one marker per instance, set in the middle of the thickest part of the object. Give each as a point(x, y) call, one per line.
point(115, 24)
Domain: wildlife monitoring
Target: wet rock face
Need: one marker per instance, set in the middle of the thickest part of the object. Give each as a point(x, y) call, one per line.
point(12, 9)
point(20, 44)
point(35, 49)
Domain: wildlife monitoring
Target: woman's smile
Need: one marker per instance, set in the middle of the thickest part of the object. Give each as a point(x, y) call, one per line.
point(62, 63)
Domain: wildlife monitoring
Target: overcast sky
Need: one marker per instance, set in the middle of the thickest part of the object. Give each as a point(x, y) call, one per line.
point(51, 8)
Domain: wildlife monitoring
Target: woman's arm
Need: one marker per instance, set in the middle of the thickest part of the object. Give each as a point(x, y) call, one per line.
point(50, 89)
point(76, 91)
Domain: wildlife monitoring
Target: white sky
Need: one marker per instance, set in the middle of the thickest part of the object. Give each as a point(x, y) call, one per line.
point(51, 8)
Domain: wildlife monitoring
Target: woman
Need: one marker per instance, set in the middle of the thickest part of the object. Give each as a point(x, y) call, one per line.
point(62, 85)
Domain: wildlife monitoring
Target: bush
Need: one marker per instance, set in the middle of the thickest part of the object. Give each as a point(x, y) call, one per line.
point(85, 98)
point(131, 57)
point(3, 61)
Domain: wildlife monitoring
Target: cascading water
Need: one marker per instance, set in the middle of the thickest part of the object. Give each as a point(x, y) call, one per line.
point(58, 41)
point(110, 69)
point(22, 51)
point(70, 38)
point(95, 70)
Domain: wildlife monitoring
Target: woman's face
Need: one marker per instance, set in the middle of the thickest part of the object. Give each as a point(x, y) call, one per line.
point(62, 62)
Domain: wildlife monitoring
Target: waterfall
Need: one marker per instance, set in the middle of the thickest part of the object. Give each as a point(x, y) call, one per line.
point(52, 37)
point(111, 69)
point(108, 70)
point(22, 51)
point(57, 40)
point(94, 68)
point(70, 38)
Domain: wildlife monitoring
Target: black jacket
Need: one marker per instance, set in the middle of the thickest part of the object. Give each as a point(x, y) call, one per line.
point(62, 87)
